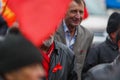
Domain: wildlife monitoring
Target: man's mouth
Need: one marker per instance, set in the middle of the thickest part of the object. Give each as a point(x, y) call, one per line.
point(76, 21)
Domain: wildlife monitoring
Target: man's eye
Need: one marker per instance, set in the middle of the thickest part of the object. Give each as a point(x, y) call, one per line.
point(73, 11)
point(81, 12)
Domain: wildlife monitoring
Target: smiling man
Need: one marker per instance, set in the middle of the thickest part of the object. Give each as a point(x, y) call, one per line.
point(73, 35)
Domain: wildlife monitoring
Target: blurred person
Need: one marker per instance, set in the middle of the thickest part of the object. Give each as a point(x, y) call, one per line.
point(107, 51)
point(106, 71)
point(19, 59)
point(15, 24)
point(74, 35)
point(58, 60)
point(3, 26)
point(13, 30)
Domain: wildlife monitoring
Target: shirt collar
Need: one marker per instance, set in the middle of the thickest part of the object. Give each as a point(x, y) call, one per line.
point(65, 27)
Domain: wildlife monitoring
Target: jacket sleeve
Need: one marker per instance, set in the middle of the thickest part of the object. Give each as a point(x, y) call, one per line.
point(92, 60)
point(72, 74)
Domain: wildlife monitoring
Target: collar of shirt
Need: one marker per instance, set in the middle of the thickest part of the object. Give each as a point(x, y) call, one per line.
point(66, 30)
point(69, 40)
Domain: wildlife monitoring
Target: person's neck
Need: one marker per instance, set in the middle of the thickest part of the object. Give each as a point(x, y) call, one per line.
point(72, 30)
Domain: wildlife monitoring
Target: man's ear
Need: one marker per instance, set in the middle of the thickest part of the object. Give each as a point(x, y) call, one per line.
point(113, 35)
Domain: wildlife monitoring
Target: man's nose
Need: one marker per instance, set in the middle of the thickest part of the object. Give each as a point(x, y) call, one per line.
point(77, 15)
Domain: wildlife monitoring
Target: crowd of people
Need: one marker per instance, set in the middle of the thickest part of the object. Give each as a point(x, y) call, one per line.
point(65, 55)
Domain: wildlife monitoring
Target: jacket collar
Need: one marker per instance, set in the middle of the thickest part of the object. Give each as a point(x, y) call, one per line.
point(61, 33)
point(111, 44)
point(56, 49)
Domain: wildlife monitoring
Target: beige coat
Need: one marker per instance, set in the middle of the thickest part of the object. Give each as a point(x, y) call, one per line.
point(81, 46)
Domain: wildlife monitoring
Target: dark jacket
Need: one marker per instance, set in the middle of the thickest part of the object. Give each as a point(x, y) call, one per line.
point(65, 57)
point(105, 52)
point(108, 71)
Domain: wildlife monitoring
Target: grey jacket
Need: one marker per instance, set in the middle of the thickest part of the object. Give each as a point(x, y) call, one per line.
point(63, 55)
point(83, 42)
point(108, 71)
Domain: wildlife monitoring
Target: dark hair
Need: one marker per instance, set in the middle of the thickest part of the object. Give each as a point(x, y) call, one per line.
point(113, 23)
point(80, 1)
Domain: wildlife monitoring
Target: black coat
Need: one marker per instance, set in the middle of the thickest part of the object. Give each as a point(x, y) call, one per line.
point(65, 57)
point(105, 52)
point(108, 71)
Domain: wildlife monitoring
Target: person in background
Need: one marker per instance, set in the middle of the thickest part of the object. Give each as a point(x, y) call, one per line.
point(58, 60)
point(107, 51)
point(106, 71)
point(3, 26)
point(74, 35)
point(13, 30)
point(19, 59)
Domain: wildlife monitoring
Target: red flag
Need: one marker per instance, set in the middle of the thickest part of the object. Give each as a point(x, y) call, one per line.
point(85, 13)
point(38, 18)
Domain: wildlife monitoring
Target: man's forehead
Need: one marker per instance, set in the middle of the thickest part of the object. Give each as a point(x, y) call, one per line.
point(74, 4)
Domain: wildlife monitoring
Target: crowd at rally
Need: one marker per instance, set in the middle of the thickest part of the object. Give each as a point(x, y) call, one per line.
point(65, 55)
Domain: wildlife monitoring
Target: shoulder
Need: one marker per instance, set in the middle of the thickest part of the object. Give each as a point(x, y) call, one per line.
point(99, 71)
point(100, 46)
point(97, 49)
point(85, 31)
point(64, 49)
point(60, 28)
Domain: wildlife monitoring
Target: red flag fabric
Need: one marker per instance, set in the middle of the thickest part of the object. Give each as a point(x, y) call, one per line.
point(85, 13)
point(38, 18)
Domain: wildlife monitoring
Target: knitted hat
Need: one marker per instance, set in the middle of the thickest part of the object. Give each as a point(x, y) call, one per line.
point(16, 52)
point(113, 22)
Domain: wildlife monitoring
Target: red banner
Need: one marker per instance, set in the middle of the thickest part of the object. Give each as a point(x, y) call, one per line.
point(38, 18)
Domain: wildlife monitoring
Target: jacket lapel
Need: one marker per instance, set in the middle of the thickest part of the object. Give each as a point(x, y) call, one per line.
point(61, 33)
point(79, 39)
